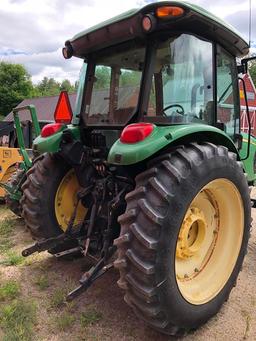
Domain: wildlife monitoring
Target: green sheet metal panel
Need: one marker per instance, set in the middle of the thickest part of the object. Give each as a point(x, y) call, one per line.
point(161, 137)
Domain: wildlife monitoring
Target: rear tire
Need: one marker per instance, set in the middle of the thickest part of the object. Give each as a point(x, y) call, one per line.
point(154, 259)
point(38, 201)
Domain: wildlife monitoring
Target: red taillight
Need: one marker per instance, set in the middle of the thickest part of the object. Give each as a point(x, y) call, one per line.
point(63, 112)
point(136, 132)
point(50, 129)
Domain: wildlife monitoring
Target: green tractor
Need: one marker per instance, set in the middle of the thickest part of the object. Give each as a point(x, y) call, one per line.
point(21, 156)
point(17, 157)
point(151, 173)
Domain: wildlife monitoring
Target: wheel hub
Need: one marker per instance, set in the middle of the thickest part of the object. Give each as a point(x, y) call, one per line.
point(66, 199)
point(192, 233)
point(209, 241)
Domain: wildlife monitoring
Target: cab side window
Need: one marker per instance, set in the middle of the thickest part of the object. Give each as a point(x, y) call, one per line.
point(227, 93)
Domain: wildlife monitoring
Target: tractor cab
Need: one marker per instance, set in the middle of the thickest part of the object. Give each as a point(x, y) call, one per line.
point(169, 63)
point(155, 81)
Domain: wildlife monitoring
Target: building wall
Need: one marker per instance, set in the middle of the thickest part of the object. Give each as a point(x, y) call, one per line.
point(251, 97)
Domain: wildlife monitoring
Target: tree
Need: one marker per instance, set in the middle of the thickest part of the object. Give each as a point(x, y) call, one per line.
point(102, 79)
point(48, 87)
point(67, 86)
point(252, 70)
point(130, 78)
point(15, 85)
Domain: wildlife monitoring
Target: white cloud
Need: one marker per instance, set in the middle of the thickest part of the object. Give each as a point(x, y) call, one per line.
point(33, 32)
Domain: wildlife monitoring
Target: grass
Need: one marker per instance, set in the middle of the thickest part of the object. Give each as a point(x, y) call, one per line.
point(5, 245)
point(17, 320)
point(90, 317)
point(33, 259)
point(42, 282)
point(58, 298)
point(6, 227)
point(12, 259)
point(64, 321)
point(9, 290)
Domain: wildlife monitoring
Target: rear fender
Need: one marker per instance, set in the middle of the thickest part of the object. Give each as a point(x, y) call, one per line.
point(52, 144)
point(166, 137)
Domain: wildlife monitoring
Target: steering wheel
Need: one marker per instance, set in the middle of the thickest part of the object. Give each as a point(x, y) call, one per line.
point(182, 112)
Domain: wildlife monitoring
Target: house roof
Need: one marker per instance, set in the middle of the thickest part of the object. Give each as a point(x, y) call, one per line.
point(45, 107)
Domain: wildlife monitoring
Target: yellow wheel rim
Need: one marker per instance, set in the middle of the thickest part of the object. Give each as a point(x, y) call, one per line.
point(209, 241)
point(65, 201)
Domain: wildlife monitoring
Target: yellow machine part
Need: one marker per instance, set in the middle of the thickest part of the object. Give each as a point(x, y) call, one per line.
point(66, 199)
point(209, 241)
point(8, 159)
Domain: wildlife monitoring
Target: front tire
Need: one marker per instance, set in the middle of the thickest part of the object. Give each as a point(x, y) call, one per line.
point(184, 236)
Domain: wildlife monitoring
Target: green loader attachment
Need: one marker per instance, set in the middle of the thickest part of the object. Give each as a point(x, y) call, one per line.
point(13, 186)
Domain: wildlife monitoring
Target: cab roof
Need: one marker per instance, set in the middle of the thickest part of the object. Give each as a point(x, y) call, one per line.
point(128, 25)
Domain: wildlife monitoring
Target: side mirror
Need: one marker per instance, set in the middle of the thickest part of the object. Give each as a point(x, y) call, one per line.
point(243, 67)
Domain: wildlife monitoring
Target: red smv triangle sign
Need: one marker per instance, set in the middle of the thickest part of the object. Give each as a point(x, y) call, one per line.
point(63, 112)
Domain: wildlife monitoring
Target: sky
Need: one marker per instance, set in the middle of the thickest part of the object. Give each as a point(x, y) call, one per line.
point(33, 32)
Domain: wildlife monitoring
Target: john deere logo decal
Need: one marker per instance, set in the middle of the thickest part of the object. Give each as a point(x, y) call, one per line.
point(7, 154)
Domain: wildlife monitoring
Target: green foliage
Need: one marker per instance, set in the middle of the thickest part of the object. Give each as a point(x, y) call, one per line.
point(17, 320)
point(15, 85)
point(5, 245)
point(127, 78)
point(252, 70)
point(50, 87)
point(130, 78)
point(6, 227)
point(90, 317)
point(42, 282)
point(58, 298)
point(12, 259)
point(9, 290)
point(66, 86)
point(102, 80)
point(64, 321)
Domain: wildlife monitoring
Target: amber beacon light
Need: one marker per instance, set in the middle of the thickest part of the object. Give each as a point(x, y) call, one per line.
point(167, 12)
